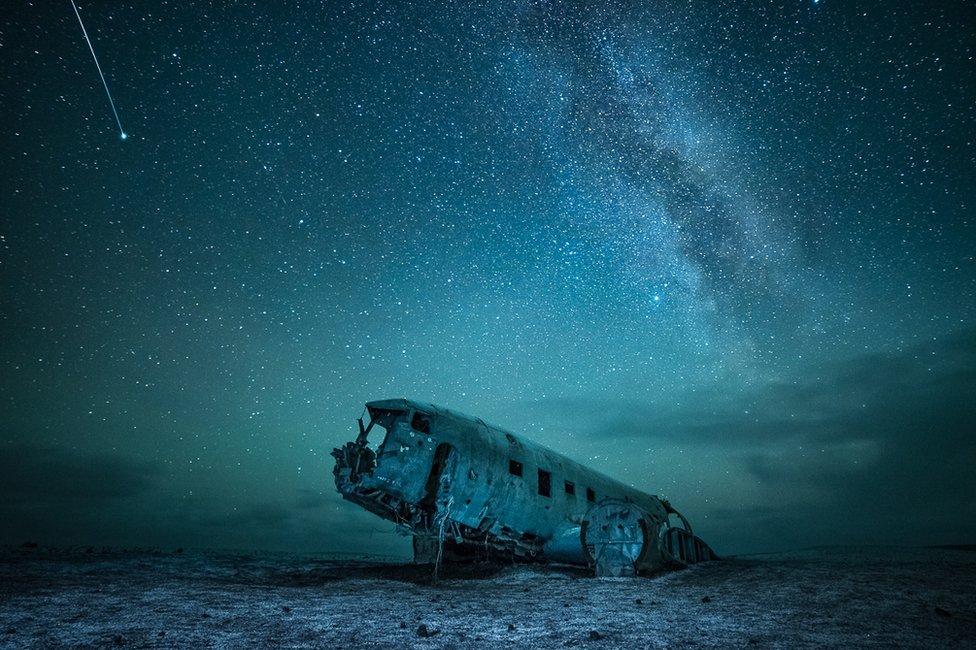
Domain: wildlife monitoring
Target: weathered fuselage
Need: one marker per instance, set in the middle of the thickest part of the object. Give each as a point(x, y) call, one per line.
point(464, 488)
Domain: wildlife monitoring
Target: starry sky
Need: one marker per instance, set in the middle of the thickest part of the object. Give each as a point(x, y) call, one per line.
point(722, 251)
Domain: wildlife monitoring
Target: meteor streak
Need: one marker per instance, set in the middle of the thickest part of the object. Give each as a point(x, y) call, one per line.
point(122, 133)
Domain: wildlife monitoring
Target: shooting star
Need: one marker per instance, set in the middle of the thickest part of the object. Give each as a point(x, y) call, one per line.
point(122, 134)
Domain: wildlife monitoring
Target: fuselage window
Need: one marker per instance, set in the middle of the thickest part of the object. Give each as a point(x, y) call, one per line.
point(545, 483)
point(590, 494)
point(570, 488)
point(420, 422)
point(514, 467)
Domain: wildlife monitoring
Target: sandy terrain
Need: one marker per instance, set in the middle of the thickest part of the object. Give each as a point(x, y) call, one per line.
point(904, 597)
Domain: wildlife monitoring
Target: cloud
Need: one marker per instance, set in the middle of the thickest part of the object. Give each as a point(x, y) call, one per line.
point(258, 516)
point(50, 474)
point(311, 499)
point(878, 447)
point(921, 390)
point(75, 496)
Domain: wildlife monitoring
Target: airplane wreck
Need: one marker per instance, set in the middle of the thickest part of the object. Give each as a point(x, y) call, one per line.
point(467, 490)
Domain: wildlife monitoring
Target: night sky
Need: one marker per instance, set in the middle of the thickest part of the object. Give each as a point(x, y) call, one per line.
point(723, 251)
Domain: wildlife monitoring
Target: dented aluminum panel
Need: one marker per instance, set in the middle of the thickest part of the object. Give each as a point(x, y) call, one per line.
point(465, 489)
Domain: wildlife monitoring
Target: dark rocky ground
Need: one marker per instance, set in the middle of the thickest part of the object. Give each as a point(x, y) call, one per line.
point(821, 597)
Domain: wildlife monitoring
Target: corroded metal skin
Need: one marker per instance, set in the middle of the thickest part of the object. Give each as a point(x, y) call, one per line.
point(466, 489)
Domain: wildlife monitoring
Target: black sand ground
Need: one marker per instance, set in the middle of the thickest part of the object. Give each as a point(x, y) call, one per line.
point(825, 597)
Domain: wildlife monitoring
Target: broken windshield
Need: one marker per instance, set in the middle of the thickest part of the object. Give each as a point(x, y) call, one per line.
point(386, 419)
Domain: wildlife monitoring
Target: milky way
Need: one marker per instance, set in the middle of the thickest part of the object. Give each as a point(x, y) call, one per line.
point(722, 251)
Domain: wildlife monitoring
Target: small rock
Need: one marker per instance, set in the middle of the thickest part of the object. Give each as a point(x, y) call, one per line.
point(179, 550)
point(511, 627)
point(565, 604)
point(593, 635)
point(160, 635)
point(285, 608)
point(403, 625)
point(118, 639)
point(942, 612)
point(10, 630)
point(638, 601)
point(424, 632)
point(706, 599)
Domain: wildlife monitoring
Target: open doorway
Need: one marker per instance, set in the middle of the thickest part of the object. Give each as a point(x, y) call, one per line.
point(441, 456)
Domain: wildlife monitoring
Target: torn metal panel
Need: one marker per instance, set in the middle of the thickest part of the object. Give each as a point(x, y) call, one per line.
point(617, 536)
point(464, 488)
